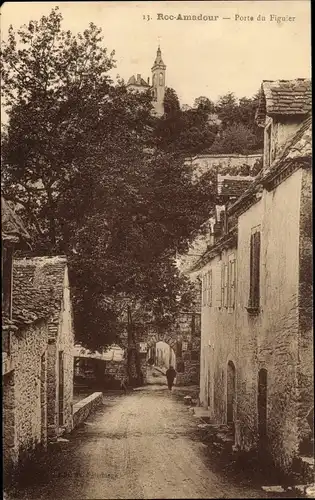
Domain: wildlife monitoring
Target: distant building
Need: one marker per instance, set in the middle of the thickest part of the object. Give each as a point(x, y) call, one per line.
point(157, 87)
point(99, 369)
point(256, 326)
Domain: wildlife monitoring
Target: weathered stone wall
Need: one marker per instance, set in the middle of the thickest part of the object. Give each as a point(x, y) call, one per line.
point(116, 369)
point(270, 339)
point(61, 344)
point(278, 338)
point(85, 407)
point(25, 394)
point(207, 162)
point(305, 368)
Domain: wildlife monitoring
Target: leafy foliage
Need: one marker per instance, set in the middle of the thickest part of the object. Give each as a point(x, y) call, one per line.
point(238, 131)
point(96, 177)
point(188, 131)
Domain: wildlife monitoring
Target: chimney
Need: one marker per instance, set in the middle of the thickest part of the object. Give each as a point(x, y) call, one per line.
point(138, 79)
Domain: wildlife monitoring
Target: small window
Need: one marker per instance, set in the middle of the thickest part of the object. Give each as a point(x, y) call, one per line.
point(224, 285)
point(268, 155)
point(204, 289)
point(153, 80)
point(231, 281)
point(209, 283)
point(161, 79)
point(254, 284)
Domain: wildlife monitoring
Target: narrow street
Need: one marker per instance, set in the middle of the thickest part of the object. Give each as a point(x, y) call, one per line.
point(142, 445)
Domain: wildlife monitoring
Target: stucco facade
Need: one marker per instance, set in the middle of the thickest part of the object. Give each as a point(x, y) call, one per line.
point(257, 356)
point(60, 360)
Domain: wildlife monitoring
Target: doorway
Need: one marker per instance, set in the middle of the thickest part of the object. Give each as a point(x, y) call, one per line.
point(61, 387)
point(230, 392)
point(43, 397)
point(262, 406)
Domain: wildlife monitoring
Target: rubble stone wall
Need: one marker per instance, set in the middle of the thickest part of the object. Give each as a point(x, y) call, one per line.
point(25, 395)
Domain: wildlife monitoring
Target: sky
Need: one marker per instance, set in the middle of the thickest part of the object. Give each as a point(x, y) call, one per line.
point(203, 58)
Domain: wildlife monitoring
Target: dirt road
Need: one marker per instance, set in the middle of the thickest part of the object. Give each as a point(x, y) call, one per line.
point(142, 445)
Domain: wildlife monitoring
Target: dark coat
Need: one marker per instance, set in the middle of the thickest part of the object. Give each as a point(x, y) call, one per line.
point(170, 374)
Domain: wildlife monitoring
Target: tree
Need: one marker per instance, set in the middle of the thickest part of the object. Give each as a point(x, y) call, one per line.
point(236, 138)
point(53, 85)
point(187, 131)
point(82, 159)
point(203, 103)
point(171, 102)
point(227, 110)
point(238, 132)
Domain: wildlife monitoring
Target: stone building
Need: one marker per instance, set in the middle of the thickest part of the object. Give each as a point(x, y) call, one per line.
point(37, 379)
point(157, 87)
point(256, 340)
point(98, 370)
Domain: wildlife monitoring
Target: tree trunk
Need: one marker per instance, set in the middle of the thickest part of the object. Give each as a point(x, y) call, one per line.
point(135, 375)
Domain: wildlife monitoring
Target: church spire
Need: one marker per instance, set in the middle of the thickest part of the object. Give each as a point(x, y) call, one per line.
point(158, 83)
point(158, 59)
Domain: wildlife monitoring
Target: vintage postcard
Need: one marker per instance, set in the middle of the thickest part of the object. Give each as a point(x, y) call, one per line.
point(156, 209)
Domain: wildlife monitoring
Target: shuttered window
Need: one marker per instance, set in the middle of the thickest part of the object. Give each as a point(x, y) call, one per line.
point(209, 283)
point(217, 285)
point(231, 281)
point(225, 285)
point(204, 289)
point(254, 290)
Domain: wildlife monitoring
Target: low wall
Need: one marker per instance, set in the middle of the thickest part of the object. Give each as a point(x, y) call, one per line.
point(84, 408)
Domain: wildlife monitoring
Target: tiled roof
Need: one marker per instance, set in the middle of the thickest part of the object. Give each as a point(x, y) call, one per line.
point(37, 290)
point(12, 228)
point(233, 187)
point(141, 83)
point(284, 97)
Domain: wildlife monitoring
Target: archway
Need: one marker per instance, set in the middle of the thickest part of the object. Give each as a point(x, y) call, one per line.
point(160, 357)
point(262, 406)
point(230, 393)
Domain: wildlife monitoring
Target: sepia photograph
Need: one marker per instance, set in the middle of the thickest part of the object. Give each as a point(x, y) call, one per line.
point(156, 250)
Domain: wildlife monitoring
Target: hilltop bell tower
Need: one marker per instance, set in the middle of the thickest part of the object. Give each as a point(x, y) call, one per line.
point(158, 83)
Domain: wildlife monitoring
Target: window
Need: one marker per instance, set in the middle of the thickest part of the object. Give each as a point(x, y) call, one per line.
point(231, 280)
point(254, 283)
point(204, 289)
point(268, 158)
point(224, 285)
point(209, 283)
point(207, 288)
point(153, 80)
point(218, 285)
point(161, 79)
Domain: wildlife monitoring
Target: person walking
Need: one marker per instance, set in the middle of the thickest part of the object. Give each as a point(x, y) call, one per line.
point(170, 375)
point(123, 384)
